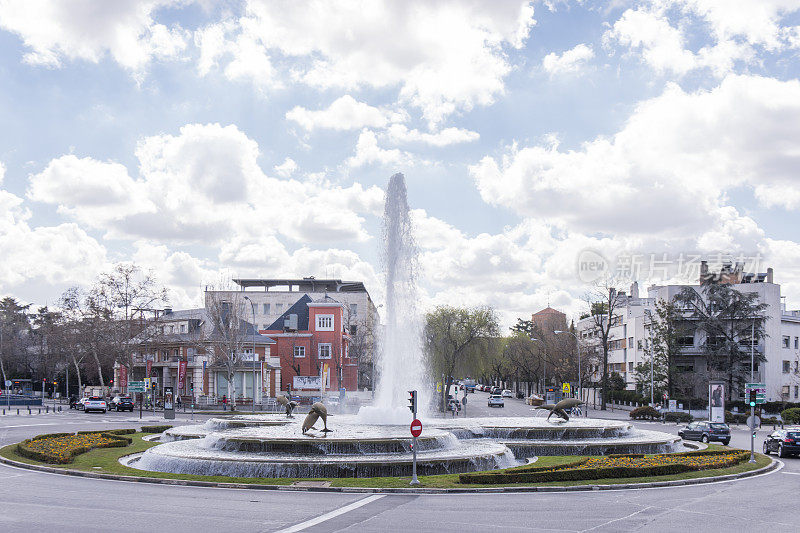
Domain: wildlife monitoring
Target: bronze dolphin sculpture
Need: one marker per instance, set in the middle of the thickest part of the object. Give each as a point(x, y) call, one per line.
point(288, 404)
point(561, 407)
point(318, 410)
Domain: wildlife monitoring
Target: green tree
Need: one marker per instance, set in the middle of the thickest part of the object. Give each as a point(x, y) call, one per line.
point(602, 304)
point(664, 328)
point(727, 317)
point(14, 326)
point(454, 335)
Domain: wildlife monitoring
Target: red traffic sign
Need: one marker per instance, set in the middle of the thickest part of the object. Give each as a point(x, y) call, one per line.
point(416, 428)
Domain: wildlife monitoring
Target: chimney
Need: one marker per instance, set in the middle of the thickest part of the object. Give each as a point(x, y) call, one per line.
point(769, 275)
point(635, 289)
point(703, 272)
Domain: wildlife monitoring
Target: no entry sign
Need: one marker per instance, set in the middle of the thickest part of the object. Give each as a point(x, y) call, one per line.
point(416, 428)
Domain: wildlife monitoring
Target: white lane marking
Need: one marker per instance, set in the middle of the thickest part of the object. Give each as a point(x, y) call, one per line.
point(617, 519)
point(333, 514)
point(792, 473)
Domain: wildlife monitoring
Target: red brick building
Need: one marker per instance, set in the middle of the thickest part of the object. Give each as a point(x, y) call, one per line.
point(311, 337)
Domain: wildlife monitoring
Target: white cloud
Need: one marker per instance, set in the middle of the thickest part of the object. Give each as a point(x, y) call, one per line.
point(368, 152)
point(344, 113)
point(667, 171)
point(420, 46)
point(569, 62)
point(202, 186)
point(286, 168)
point(2, 172)
point(400, 134)
point(125, 29)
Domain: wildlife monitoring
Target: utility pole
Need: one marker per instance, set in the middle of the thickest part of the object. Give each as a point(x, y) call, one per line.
point(253, 309)
point(752, 403)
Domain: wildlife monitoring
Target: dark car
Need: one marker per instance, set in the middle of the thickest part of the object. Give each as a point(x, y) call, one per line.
point(121, 403)
point(706, 432)
point(783, 442)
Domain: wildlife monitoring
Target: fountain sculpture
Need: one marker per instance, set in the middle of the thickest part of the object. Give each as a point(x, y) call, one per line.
point(377, 441)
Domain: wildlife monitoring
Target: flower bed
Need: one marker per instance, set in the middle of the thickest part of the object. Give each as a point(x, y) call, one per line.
point(613, 466)
point(61, 448)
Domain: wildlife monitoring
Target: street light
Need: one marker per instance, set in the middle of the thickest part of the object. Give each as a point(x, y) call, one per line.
point(578, 348)
point(253, 309)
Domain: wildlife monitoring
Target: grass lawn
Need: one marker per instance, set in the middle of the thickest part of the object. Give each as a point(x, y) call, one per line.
point(105, 460)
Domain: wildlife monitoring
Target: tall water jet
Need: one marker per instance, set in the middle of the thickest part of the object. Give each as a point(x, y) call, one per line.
point(401, 365)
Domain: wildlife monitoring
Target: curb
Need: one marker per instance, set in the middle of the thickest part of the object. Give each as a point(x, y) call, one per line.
point(367, 490)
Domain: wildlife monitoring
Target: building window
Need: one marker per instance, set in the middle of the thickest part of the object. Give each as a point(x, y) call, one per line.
point(639, 345)
point(687, 341)
point(796, 391)
point(630, 342)
point(785, 392)
point(353, 310)
point(324, 351)
point(786, 340)
point(299, 351)
point(796, 343)
point(324, 322)
point(266, 309)
point(183, 328)
point(786, 367)
point(278, 309)
point(630, 366)
point(172, 329)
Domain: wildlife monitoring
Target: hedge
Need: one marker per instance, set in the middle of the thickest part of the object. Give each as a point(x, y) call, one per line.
point(791, 416)
point(576, 471)
point(67, 452)
point(155, 429)
point(678, 416)
point(645, 413)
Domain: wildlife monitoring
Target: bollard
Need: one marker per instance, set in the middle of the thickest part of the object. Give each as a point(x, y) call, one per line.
point(40, 410)
point(46, 409)
point(17, 410)
point(59, 408)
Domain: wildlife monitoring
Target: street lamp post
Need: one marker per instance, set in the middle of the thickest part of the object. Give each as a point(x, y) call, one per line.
point(752, 380)
point(578, 349)
point(253, 309)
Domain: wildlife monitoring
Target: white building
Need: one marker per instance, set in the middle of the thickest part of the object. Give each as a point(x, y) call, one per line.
point(628, 336)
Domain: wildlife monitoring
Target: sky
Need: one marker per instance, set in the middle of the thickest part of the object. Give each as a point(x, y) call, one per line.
point(206, 140)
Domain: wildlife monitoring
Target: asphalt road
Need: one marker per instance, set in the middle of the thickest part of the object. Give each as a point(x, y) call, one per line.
point(51, 502)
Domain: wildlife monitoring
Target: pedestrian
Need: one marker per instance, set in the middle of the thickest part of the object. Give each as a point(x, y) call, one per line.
point(224, 402)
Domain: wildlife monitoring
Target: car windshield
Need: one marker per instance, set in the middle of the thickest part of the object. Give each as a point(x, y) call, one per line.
point(95, 399)
point(719, 426)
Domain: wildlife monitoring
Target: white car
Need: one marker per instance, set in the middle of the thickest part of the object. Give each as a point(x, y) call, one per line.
point(507, 394)
point(495, 400)
point(95, 403)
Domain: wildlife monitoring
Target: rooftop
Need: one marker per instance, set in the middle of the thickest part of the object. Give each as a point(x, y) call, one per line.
point(308, 284)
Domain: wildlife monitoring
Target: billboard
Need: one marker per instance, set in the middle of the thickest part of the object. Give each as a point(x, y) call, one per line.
point(307, 382)
point(181, 375)
point(123, 377)
point(716, 401)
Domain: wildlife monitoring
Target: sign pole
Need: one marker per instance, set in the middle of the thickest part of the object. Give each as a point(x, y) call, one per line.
point(752, 380)
point(416, 430)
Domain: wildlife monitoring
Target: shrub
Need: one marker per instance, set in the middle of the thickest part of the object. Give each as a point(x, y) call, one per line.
point(50, 436)
point(155, 429)
point(613, 466)
point(735, 418)
point(645, 413)
point(791, 416)
point(678, 416)
point(62, 449)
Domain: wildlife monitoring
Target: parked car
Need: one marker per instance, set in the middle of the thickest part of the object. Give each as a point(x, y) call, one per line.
point(121, 403)
point(783, 442)
point(469, 385)
point(95, 403)
point(81, 403)
point(706, 432)
point(495, 390)
point(506, 394)
point(495, 400)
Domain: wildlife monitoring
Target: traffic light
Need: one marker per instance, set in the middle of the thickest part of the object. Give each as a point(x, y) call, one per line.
point(412, 401)
point(191, 388)
point(753, 397)
point(153, 385)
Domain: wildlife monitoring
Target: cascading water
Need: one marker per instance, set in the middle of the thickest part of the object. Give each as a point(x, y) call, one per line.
point(401, 366)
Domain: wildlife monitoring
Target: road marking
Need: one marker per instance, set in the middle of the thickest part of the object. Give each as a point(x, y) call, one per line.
point(792, 473)
point(333, 514)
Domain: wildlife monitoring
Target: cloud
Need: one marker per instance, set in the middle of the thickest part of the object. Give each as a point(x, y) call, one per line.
point(368, 152)
point(420, 46)
point(344, 113)
point(53, 30)
point(286, 168)
point(202, 186)
point(569, 62)
point(691, 148)
point(2, 172)
point(400, 134)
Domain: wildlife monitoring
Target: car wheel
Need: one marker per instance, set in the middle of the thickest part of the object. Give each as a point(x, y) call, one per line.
point(704, 439)
point(781, 453)
point(765, 448)
point(725, 442)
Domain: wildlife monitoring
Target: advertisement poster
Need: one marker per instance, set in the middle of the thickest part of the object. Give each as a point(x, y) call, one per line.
point(169, 399)
point(716, 401)
point(181, 374)
point(123, 377)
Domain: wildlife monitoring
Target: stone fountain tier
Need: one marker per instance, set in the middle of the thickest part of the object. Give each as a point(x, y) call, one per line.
point(219, 424)
point(345, 440)
point(532, 428)
point(188, 457)
point(646, 442)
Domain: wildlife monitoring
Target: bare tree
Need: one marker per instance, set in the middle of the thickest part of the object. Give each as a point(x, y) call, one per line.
point(602, 303)
point(229, 334)
point(91, 321)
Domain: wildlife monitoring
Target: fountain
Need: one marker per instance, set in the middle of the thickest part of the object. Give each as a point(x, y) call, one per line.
point(377, 441)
